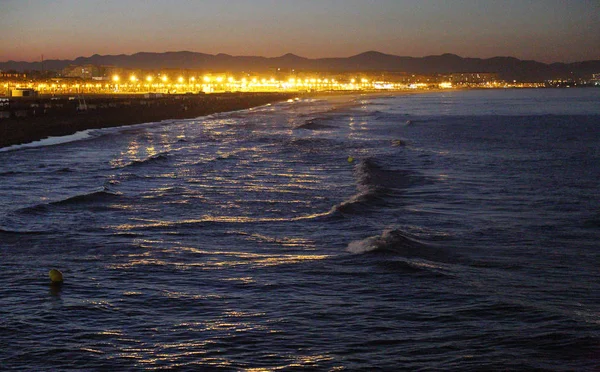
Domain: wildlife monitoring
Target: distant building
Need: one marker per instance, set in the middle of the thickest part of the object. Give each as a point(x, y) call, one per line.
point(473, 77)
point(82, 72)
point(12, 75)
point(23, 92)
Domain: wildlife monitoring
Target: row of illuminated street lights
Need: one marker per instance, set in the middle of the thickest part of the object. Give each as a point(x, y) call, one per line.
point(209, 84)
point(215, 83)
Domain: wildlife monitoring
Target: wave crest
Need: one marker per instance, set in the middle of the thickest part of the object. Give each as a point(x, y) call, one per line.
point(394, 241)
point(373, 184)
point(92, 197)
point(99, 196)
point(151, 159)
point(315, 124)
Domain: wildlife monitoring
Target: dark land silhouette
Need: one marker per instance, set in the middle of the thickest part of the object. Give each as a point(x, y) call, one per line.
point(34, 119)
point(507, 68)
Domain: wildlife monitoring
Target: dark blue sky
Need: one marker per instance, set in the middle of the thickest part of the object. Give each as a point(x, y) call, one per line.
point(544, 30)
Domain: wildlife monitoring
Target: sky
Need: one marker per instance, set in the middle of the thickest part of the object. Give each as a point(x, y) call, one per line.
point(542, 30)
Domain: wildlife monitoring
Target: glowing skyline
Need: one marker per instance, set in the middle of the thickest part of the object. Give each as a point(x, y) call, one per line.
point(542, 30)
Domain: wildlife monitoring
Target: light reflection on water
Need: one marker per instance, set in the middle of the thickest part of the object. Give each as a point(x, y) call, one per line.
point(222, 242)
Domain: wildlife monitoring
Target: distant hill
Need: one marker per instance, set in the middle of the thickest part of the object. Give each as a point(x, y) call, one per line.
point(508, 68)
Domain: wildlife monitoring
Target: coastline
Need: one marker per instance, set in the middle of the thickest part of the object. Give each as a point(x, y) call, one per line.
point(40, 118)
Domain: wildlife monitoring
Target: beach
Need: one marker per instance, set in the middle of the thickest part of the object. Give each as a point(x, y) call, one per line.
point(31, 119)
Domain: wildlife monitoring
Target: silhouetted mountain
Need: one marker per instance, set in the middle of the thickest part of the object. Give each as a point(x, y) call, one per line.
point(508, 68)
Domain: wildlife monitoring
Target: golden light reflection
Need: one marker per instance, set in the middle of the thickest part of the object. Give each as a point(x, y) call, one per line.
point(244, 280)
point(224, 259)
point(90, 350)
point(111, 332)
point(147, 223)
point(299, 362)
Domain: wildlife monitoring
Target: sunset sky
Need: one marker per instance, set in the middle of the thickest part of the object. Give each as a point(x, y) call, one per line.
point(543, 30)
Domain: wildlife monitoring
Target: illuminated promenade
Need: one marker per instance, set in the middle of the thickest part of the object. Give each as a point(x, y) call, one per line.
point(219, 83)
point(206, 84)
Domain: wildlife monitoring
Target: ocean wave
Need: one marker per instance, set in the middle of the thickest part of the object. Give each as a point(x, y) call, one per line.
point(311, 145)
point(99, 196)
point(398, 242)
point(207, 220)
point(395, 241)
point(315, 124)
point(374, 183)
point(369, 173)
point(92, 197)
point(357, 202)
point(368, 190)
point(91, 133)
point(51, 141)
point(388, 116)
point(135, 163)
point(22, 232)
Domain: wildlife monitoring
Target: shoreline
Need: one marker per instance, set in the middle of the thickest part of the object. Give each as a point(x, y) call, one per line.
point(47, 118)
point(35, 119)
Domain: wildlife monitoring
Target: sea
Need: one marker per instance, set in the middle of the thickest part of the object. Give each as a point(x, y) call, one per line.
point(453, 230)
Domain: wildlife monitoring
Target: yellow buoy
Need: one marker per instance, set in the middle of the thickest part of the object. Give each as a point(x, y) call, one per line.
point(56, 276)
point(350, 159)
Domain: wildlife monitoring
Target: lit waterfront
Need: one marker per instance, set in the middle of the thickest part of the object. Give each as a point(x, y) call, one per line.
point(218, 83)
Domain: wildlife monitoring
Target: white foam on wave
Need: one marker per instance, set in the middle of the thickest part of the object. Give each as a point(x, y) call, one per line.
point(393, 240)
point(363, 246)
point(82, 135)
point(51, 141)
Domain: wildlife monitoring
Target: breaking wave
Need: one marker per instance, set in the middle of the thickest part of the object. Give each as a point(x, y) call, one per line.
point(374, 183)
point(151, 159)
point(398, 242)
point(314, 124)
point(100, 196)
point(394, 241)
point(92, 197)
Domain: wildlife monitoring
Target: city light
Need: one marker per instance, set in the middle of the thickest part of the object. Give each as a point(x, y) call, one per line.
point(186, 82)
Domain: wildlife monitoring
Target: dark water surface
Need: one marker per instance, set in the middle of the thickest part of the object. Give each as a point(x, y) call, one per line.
point(464, 235)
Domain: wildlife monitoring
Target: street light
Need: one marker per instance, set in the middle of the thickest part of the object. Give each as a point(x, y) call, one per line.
point(116, 80)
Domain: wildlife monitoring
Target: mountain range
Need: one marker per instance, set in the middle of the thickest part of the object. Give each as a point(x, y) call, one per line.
point(508, 68)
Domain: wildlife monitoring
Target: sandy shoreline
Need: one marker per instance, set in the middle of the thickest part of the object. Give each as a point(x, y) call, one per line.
point(36, 119)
